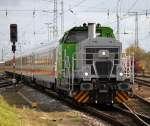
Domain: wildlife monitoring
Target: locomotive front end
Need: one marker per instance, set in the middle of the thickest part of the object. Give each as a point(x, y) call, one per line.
point(98, 64)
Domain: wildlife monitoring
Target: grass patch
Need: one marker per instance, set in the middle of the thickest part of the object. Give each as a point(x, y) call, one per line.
point(8, 115)
point(13, 115)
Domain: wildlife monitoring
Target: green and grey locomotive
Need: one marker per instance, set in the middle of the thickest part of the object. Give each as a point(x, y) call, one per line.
point(85, 65)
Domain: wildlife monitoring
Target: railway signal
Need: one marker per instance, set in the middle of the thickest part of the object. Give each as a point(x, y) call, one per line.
point(13, 33)
point(13, 48)
point(13, 39)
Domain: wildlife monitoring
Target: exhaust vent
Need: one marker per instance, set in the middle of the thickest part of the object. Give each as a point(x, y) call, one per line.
point(91, 30)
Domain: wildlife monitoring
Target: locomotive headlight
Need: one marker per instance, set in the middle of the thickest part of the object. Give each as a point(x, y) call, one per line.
point(103, 53)
point(121, 74)
point(86, 71)
point(86, 74)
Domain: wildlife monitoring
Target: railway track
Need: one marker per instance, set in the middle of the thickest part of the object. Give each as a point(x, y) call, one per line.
point(118, 117)
point(141, 75)
point(142, 99)
point(115, 116)
point(5, 83)
point(142, 82)
point(143, 118)
point(139, 107)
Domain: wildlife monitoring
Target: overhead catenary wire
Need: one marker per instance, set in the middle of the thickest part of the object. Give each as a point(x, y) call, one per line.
point(34, 12)
point(62, 16)
point(78, 4)
point(132, 6)
point(26, 10)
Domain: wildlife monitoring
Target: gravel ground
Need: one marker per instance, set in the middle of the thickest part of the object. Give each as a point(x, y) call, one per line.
point(50, 105)
point(45, 103)
point(49, 112)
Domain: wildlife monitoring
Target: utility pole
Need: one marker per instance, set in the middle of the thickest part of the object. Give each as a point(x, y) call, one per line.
point(118, 21)
point(136, 31)
point(48, 30)
point(118, 27)
point(62, 17)
point(2, 54)
point(55, 21)
point(136, 39)
point(51, 32)
point(20, 44)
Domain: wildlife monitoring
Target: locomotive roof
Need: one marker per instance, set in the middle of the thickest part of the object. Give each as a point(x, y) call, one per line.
point(85, 28)
point(101, 31)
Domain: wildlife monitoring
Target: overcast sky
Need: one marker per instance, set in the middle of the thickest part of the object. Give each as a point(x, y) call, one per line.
point(32, 30)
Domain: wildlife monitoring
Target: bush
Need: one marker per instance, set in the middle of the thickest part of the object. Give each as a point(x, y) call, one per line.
point(141, 56)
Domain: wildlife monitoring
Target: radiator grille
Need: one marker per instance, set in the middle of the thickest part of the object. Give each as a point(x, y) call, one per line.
point(103, 68)
point(90, 55)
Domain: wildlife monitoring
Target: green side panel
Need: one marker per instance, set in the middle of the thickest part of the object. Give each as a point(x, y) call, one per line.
point(68, 49)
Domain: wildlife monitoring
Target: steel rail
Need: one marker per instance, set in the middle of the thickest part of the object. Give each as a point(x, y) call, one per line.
point(143, 117)
point(142, 82)
point(142, 99)
point(5, 84)
point(141, 121)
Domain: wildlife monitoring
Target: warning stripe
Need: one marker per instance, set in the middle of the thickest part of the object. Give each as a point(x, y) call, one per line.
point(86, 99)
point(83, 96)
point(121, 96)
point(77, 96)
point(124, 95)
point(119, 100)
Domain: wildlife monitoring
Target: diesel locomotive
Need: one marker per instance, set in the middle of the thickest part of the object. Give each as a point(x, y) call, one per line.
point(84, 65)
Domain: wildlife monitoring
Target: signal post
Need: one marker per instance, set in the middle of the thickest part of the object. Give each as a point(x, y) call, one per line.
point(13, 39)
